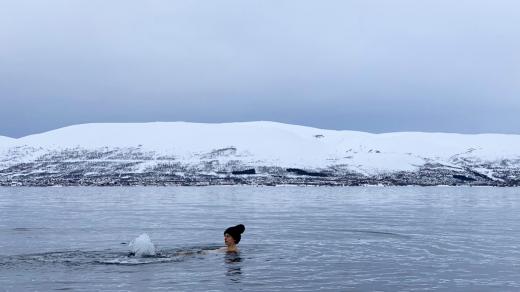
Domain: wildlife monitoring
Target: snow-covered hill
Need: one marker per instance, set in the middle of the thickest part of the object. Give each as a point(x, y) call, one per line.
point(254, 152)
point(5, 140)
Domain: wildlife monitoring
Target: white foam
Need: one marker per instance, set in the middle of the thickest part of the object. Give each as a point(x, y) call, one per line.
point(142, 246)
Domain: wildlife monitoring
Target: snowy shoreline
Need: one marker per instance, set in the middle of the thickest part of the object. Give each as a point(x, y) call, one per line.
point(254, 153)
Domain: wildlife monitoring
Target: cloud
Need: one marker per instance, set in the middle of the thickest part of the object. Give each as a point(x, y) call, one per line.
point(390, 64)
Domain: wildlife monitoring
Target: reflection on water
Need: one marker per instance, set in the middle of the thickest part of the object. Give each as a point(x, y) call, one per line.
point(233, 265)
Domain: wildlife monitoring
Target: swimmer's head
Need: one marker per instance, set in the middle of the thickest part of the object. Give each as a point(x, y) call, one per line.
point(235, 232)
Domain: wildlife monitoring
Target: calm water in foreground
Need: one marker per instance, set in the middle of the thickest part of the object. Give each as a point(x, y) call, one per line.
point(297, 238)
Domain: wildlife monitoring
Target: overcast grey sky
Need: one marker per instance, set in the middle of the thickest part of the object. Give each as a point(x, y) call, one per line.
point(377, 66)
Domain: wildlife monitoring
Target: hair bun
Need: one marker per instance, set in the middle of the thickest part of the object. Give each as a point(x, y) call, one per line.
point(240, 228)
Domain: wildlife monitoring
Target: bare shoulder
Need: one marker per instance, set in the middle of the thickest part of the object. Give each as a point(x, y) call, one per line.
point(218, 250)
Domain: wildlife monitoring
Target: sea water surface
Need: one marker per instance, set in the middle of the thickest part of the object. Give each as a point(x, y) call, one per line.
point(296, 238)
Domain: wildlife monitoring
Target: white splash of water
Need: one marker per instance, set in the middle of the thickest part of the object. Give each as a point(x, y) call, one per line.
point(142, 246)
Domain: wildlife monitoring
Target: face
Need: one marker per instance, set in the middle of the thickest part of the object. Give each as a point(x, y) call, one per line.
point(228, 239)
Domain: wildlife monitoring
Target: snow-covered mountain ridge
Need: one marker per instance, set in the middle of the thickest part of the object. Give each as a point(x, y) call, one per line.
point(254, 152)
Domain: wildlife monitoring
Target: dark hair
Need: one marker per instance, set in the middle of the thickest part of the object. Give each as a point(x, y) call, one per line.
point(235, 232)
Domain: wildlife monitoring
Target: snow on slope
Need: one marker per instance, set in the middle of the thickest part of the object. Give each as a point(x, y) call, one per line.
point(5, 143)
point(271, 143)
point(6, 140)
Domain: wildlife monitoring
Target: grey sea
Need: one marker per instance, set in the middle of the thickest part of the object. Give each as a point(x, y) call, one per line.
point(296, 238)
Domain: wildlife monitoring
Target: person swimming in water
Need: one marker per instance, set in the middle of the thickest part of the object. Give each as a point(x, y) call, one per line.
point(143, 246)
point(232, 237)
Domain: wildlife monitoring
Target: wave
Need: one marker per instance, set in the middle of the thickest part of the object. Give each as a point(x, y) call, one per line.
point(104, 257)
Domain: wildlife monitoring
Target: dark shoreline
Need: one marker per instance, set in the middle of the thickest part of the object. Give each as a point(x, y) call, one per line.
point(151, 179)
